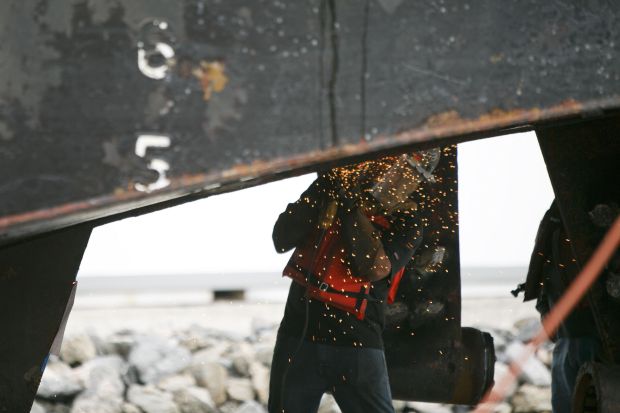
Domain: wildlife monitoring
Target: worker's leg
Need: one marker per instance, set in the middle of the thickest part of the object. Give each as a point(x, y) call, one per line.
point(295, 385)
point(364, 385)
point(560, 389)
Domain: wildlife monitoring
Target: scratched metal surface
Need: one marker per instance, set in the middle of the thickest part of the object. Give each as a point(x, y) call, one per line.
point(595, 147)
point(107, 106)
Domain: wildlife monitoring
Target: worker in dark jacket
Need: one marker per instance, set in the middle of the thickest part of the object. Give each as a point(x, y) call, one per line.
point(352, 239)
point(552, 268)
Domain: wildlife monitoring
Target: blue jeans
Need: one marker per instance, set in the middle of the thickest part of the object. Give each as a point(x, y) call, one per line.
point(356, 377)
point(568, 356)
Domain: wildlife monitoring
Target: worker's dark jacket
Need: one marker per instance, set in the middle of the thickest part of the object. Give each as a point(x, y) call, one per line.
point(552, 268)
point(327, 324)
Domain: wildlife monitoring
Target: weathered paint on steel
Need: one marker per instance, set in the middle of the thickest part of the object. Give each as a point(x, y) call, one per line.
point(584, 168)
point(34, 296)
point(423, 338)
point(447, 126)
point(235, 91)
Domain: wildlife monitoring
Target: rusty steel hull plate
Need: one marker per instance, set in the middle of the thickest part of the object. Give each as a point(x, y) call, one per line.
point(584, 167)
point(107, 107)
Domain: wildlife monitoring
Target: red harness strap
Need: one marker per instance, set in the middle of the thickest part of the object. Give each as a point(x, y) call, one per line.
point(321, 266)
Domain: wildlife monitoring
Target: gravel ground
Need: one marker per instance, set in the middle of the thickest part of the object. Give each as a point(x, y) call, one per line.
point(215, 357)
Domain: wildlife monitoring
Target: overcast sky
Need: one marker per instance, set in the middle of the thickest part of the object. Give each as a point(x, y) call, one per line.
point(503, 192)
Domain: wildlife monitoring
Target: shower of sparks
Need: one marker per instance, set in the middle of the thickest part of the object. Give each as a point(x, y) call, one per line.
point(387, 186)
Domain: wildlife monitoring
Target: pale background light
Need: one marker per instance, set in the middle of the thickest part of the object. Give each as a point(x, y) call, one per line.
point(503, 192)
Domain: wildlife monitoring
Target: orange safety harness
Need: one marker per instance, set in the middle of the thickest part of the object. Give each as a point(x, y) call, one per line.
point(329, 279)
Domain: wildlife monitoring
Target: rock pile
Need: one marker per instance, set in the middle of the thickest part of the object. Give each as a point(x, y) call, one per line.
point(206, 371)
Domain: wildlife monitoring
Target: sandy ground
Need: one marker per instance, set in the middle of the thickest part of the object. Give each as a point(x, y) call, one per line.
point(238, 316)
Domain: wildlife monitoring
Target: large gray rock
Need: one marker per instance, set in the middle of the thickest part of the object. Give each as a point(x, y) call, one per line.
point(241, 358)
point(260, 380)
point(102, 378)
point(194, 400)
point(55, 407)
point(328, 404)
point(197, 338)
point(527, 329)
point(502, 408)
point(155, 358)
point(241, 364)
point(501, 370)
point(91, 403)
point(130, 408)
point(77, 349)
point(58, 381)
point(152, 400)
point(529, 399)
point(240, 389)
point(422, 407)
point(213, 376)
point(212, 353)
point(251, 406)
point(534, 371)
point(219, 335)
point(176, 382)
point(229, 407)
point(118, 343)
point(37, 408)
point(264, 353)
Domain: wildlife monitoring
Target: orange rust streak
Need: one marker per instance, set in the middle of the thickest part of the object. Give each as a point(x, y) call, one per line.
point(212, 77)
point(10, 220)
point(443, 118)
point(558, 313)
point(450, 123)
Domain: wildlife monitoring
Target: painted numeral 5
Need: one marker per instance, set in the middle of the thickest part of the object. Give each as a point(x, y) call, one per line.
point(158, 165)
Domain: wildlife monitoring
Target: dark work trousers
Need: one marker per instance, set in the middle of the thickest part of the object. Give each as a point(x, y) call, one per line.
point(356, 377)
point(568, 356)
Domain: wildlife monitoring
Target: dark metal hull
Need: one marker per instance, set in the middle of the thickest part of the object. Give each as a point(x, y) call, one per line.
point(224, 95)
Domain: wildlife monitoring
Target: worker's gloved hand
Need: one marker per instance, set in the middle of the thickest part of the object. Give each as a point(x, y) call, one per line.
point(396, 184)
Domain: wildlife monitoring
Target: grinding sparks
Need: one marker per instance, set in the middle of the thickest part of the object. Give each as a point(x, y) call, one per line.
point(404, 192)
